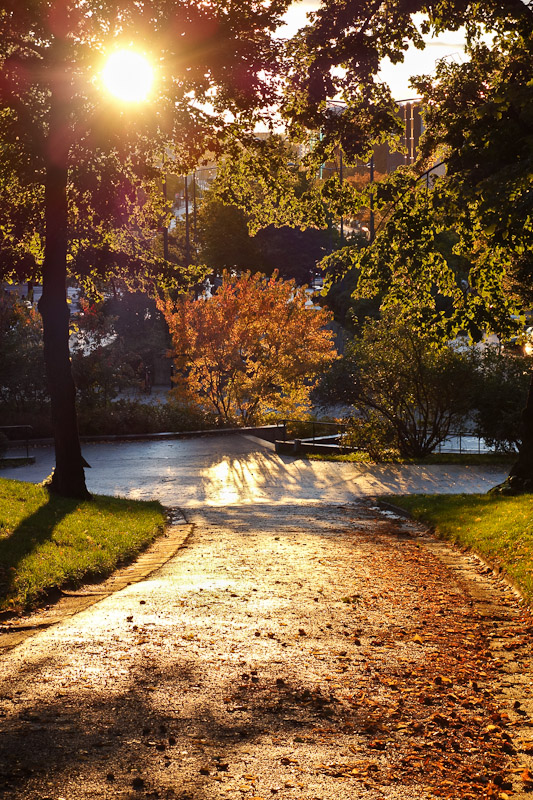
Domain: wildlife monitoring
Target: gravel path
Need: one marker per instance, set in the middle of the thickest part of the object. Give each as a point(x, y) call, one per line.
point(289, 651)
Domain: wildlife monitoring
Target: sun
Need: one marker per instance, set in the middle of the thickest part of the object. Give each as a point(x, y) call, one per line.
point(128, 75)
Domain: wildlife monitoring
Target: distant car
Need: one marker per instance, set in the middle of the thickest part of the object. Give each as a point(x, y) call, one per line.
point(523, 343)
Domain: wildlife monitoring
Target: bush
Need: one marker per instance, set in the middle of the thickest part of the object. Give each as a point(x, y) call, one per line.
point(373, 434)
point(409, 391)
point(126, 417)
point(502, 381)
point(39, 421)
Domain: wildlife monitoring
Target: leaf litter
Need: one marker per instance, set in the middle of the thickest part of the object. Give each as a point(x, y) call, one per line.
point(309, 653)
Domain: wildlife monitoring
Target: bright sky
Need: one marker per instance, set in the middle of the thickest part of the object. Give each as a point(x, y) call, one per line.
point(417, 62)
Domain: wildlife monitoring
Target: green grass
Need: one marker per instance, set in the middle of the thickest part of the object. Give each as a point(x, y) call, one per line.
point(465, 459)
point(499, 529)
point(47, 542)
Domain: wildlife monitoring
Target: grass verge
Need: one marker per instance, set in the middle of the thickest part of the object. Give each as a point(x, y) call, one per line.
point(499, 529)
point(464, 459)
point(47, 542)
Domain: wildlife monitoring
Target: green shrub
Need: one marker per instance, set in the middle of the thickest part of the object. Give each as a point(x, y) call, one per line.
point(373, 434)
point(502, 381)
point(126, 417)
point(409, 390)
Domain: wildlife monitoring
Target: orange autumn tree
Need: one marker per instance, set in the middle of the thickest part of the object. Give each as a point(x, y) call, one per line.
point(252, 348)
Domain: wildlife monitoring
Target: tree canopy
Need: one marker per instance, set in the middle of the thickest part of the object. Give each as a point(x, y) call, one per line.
point(214, 75)
point(253, 348)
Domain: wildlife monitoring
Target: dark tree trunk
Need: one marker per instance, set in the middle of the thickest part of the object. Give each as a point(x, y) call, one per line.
point(68, 477)
point(520, 478)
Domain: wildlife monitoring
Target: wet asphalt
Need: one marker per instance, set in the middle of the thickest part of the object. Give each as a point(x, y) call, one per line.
point(239, 469)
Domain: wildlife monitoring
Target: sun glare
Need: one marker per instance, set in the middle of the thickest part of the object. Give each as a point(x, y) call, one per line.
point(128, 75)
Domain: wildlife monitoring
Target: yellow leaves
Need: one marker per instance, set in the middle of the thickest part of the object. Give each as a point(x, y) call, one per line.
point(440, 680)
point(491, 729)
point(527, 778)
point(418, 639)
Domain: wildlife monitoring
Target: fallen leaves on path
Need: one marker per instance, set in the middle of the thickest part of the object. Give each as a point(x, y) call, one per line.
point(328, 653)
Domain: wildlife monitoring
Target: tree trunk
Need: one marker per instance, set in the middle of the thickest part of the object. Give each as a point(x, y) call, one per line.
point(520, 478)
point(68, 477)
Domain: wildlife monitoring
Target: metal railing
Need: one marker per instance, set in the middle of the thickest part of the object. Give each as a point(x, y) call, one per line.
point(315, 431)
point(312, 430)
point(26, 438)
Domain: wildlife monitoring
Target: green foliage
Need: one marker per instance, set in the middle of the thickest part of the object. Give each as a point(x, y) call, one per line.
point(127, 417)
point(278, 187)
point(478, 122)
point(294, 253)
point(225, 242)
point(502, 382)
point(408, 390)
point(341, 278)
point(266, 180)
point(48, 542)
point(141, 330)
point(374, 434)
point(22, 375)
point(99, 360)
point(500, 529)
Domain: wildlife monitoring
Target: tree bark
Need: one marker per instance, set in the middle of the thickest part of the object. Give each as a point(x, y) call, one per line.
point(520, 479)
point(68, 477)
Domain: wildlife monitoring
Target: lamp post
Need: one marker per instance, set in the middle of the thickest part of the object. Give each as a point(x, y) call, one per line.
point(165, 227)
point(187, 231)
point(371, 224)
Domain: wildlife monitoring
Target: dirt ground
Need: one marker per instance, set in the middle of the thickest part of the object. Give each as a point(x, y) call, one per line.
point(295, 651)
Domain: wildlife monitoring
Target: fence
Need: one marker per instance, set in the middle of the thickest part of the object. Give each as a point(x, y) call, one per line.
point(11, 433)
point(317, 432)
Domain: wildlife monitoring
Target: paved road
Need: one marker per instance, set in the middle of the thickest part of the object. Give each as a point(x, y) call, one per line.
point(235, 470)
point(300, 646)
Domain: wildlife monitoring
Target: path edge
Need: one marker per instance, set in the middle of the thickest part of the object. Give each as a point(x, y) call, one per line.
point(176, 536)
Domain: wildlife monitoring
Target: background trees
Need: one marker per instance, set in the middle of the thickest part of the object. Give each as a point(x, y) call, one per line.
point(253, 348)
point(22, 381)
point(501, 380)
point(226, 243)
